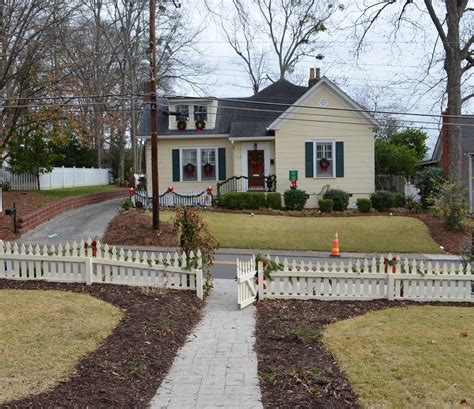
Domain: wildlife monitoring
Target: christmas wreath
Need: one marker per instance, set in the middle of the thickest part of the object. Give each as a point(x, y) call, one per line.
point(190, 169)
point(181, 125)
point(324, 163)
point(256, 159)
point(200, 125)
point(208, 170)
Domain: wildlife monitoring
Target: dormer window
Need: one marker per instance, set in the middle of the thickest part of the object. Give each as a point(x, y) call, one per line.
point(200, 113)
point(183, 111)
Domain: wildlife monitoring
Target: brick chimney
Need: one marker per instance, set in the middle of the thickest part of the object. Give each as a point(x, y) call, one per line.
point(314, 76)
point(445, 143)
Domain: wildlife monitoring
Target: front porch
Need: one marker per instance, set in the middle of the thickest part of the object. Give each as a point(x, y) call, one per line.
point(254, 183)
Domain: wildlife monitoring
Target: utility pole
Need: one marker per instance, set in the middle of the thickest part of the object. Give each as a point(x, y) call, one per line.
point(154, 120)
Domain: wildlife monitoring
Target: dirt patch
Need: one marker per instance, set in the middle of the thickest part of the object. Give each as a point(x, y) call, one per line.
point(295, 367)
point(134, 228)
point(26, 203)
point(126, 370)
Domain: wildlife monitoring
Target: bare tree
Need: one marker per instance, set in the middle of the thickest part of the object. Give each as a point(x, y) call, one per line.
point(448, 19)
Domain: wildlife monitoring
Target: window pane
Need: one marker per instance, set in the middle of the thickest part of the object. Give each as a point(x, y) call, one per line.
point(183, 112)
point(324, 160)
point(200, 113)
point(208, 163)
point(189, 157)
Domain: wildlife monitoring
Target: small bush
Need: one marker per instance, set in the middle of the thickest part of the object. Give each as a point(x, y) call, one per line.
point(326, 205)
point(244, 200)
point(398, 199)
point(382, 200)
point(274, 200)
point(412, 205)
point(126, 204)
point(295, 199)
point(453, 204)
point(364, 205)
point(339, 197)
point(435, 211)
point(6, 186)
point(429, 182)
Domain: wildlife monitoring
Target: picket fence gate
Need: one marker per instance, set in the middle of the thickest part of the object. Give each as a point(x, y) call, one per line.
point(91, 262)
point(246, 287)
point(389, 278)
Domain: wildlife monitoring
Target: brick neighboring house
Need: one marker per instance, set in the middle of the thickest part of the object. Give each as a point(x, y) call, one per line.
point(440, 155)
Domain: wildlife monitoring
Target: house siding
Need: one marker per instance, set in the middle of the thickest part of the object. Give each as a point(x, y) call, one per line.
point(165, 165)
point(359, 172)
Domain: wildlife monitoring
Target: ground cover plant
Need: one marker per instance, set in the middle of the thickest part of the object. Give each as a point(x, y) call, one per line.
point(297, 369)
point(127, 368)
point(50, 332)
point(418, 356)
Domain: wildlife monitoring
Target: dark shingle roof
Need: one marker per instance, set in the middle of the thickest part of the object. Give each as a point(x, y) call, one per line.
point(238, 119)
point(467, 130)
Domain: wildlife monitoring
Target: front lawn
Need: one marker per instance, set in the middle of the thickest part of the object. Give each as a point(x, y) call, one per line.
point(43, 334)
point(372, 234)
point(408, 357)
point(76, 191)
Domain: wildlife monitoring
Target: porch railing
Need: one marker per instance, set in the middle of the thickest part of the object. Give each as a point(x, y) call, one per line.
point(241, 184)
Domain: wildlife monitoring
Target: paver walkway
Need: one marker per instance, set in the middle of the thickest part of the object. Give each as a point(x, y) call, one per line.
point(217, 367)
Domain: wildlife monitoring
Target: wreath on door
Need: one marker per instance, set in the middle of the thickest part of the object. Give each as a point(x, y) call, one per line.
point(256, 159)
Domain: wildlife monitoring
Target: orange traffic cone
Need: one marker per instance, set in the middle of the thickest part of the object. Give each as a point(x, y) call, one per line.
point(335, 246)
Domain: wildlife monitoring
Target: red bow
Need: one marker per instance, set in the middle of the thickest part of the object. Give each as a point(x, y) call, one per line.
point(293, 184)
point(170, 189)
point(392, 262)
point(209, 190)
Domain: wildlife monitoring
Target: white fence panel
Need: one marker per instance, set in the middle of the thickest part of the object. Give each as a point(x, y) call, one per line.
point(246, 288)
point(74, 177)
point(369, 279)
point(18, 182)
point(85, 263)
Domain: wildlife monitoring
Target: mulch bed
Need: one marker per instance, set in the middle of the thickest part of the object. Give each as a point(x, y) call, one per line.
point(134, 228)
point(301, 374)
point(26, 203)
point(126, 370)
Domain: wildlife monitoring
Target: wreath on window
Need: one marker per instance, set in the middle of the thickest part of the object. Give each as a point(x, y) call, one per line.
point(190, 169)
point(324, 163)
point(208, 170)
point(181, 125)
point(200, 125)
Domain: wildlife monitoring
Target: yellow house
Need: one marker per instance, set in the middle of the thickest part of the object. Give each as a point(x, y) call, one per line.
point(316, 135)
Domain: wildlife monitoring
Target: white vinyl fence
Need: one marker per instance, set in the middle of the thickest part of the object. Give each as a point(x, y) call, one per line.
point(56, 179)
point(370, 279)
point(93, 262)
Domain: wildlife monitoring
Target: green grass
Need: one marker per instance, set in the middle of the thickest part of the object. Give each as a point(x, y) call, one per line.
point(377, 234)
point(415, 357)
point(76, 191)
point(43, 334)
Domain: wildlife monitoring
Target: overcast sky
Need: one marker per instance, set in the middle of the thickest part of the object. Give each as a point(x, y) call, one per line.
point(387, 71)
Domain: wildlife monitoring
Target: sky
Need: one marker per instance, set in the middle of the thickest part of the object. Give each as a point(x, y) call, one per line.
point(390, 71)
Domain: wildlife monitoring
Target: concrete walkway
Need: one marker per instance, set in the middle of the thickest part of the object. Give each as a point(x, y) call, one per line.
point(217, 367)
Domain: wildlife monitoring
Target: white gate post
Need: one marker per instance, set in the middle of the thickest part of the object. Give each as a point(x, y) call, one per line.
point(260, 280)
point(199, 280)
point(89, 267)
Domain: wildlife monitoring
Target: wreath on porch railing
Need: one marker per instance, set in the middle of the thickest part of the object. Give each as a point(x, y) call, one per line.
point(324, 163)
point(189, 169)
point(208, 170)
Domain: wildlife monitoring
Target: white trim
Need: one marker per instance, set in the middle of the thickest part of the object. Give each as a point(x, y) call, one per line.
point(198, 164)
point(252, 138)
point(333, 143)
point(190, 136)
point(292, 110)
point(265, 146)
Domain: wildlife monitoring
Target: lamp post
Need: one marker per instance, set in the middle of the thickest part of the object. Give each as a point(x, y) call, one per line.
point(154, 120)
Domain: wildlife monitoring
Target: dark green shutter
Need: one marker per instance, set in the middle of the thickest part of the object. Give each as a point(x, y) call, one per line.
point(309, 160)
point(339, 159)
point(176, 165)
point(221, 159)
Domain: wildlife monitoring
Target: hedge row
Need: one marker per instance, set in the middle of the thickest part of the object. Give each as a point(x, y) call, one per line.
point(251, 200)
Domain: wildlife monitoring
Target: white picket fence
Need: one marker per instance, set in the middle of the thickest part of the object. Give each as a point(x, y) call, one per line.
point(58, 178)
point(73, 263)
point(364, 280)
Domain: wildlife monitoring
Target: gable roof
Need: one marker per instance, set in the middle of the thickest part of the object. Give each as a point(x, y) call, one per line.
point(303, 100)
point(248, 117)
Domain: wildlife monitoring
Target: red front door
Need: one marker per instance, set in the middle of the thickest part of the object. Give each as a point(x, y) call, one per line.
point(256, 169)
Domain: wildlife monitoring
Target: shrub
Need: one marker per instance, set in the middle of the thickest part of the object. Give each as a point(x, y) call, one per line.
point(412, 205)
point(339, 197)
point(398, 199)
point(429, 182)
point(364, 205)
point(326, 205)
point(435, 211)
point(295, 199)
point(6, 186)
point(382, 200)
point(244, 200)
point(453, 204)
point(274, 200)
point(126, 204)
